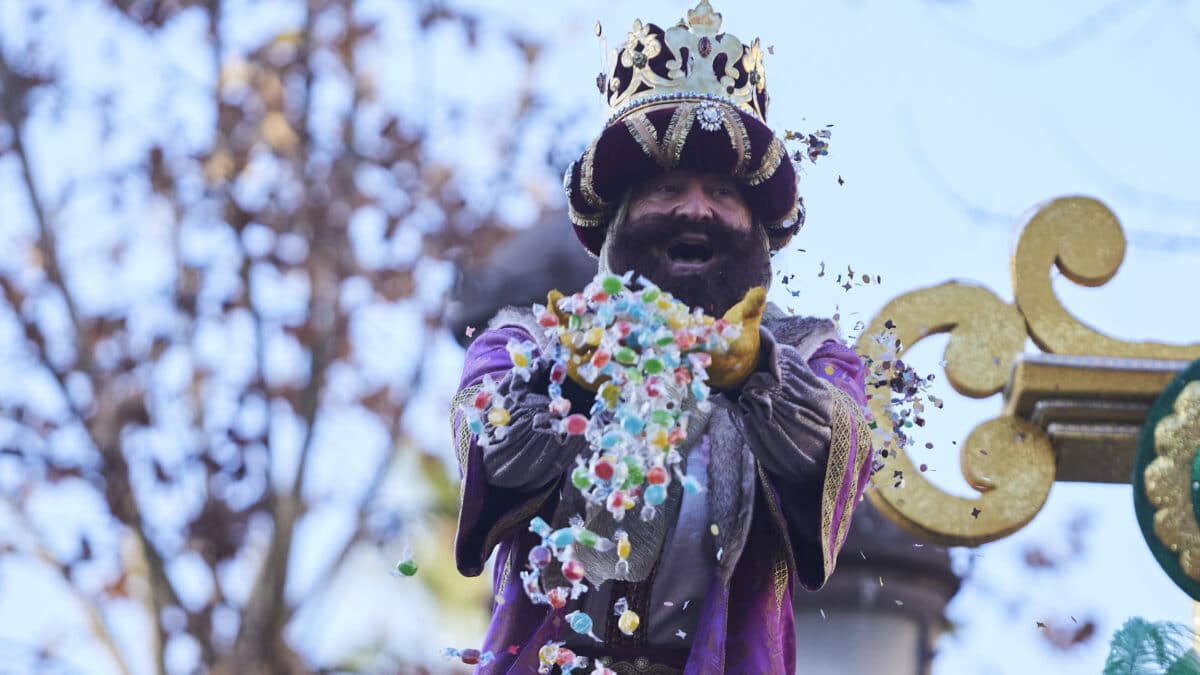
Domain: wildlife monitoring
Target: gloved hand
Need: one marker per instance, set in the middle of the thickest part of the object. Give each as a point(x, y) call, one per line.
point(577, 356)
point(730, 370)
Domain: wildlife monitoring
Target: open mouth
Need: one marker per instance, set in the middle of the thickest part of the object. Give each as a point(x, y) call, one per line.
point(690, 250)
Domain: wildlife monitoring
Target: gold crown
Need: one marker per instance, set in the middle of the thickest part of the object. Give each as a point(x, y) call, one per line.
point(684, 63)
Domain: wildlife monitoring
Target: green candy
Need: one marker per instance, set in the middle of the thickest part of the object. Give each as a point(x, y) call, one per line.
point(581, 477)
point(626, 356)
point(660, 417)
point(634, 375)
point(587, 537)
point(664, 340)
point(653, 366)
point(612, 285)
point(635, 476)
point(650, 295)
point(407, 567)
point(575, 322)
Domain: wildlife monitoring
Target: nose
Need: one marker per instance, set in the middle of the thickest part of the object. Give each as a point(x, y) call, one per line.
point(693, 203)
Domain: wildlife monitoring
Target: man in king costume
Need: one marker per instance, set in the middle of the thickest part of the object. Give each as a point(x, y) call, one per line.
point(687, 186)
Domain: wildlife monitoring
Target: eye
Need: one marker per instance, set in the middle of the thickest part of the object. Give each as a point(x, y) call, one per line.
point(668, 188)
point(723, 191)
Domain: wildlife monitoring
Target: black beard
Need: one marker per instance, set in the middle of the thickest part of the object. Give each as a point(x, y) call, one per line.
point(735, 262)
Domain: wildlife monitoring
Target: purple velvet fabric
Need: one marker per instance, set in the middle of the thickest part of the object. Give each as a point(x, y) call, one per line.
point(745, 627)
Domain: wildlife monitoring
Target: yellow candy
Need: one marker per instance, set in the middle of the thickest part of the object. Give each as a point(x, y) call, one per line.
point(677, 321)
point(660, 440)
point(623, 547)
point(628, 622)
point(498, 417)
point(610, 393)
point(520, 360)
point(548, 654)
point(592, 337)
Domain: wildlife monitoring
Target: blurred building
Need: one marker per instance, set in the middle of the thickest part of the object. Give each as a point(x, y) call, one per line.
point(883, 609)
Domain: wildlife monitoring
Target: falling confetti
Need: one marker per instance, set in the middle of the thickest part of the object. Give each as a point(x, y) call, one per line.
point(680, 634)
point(470, 331)
point(975, 513)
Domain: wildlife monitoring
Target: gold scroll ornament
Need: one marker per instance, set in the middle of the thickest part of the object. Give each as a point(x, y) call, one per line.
point(1008, 460)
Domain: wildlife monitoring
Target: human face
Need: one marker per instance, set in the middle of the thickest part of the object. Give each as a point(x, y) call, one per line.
point(693, 234)
point(692, 195)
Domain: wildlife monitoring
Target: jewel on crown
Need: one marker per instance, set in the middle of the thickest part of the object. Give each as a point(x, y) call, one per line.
point(693, 47)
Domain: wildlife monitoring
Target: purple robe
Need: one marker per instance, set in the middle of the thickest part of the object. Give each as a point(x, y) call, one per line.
point(801, 512)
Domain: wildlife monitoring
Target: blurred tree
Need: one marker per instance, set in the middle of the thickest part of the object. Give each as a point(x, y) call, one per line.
point(185, 334)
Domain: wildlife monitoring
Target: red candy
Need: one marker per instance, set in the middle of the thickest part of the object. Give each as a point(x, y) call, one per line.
point(656, 475)
point(482, 398)
point(601, 358)
point(604, 469)
point(682, 376)
point(579, 304)
point(469, 656)
point(623, 329)
point(676, 436)
point(565, 656)
point(575, 425)
point(557, 597)
point(558, 373)
point(616, 500)
point(684, 339)
point(653, 388)
point(548, 320)
point(560, 406)
point(573, 570)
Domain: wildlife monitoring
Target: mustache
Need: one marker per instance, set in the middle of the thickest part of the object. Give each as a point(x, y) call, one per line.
point(662, 228)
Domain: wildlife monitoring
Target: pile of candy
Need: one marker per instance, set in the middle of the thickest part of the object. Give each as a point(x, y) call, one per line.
point(645, 353)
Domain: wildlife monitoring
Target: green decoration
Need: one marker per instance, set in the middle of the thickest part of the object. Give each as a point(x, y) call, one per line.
point(1171, 528)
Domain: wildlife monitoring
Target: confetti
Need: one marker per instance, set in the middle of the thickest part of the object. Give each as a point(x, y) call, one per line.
point(822, 615)
point(680, 634)
point(975, 513)
point(470, 331)
point(841, 181)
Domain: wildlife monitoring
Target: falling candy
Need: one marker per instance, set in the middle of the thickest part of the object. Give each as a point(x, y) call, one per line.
point(581, 623)
point(557, 596)
point(407, 566)
point(623, 550)
point(628, 619)
point(470, 657)
point(645, 355)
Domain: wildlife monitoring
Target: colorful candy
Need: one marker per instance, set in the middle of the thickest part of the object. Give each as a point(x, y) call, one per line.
point(407, 566)
point(471, 657)
point(628, 620)
point(581, 623)
point(623, 550)
point(645, 355)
